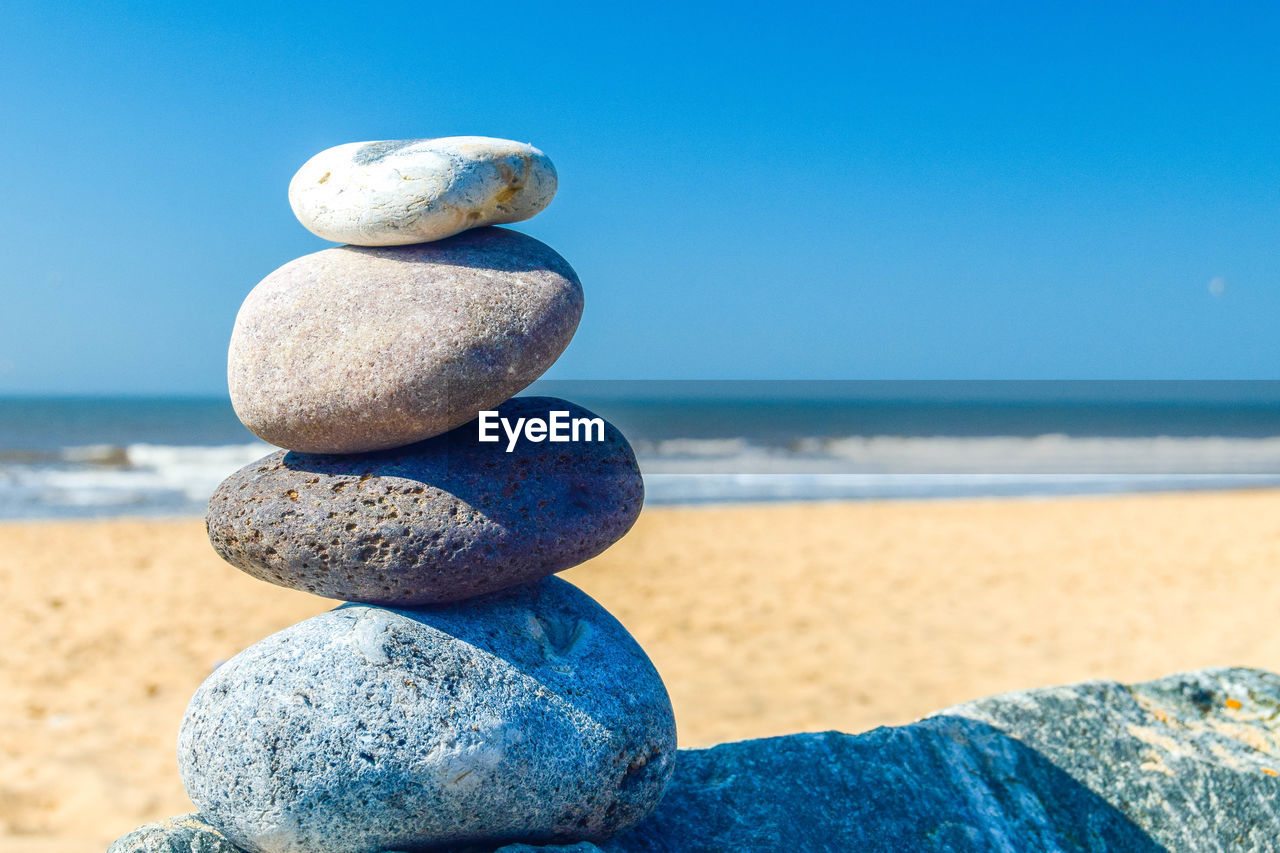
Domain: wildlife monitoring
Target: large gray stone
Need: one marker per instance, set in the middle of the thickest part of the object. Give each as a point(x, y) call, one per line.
point(1185, 763)
point(526, 715)
point(441, 520)
point(185, 834)
point(354, 349)
point(414, 190)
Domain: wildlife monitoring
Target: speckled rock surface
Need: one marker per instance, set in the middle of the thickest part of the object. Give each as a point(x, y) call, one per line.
point(1185, 763)
point(440, 520)
point(525, 715)
point(414, 190)
point(353, 349)
point(581, 847)
point(185, 834)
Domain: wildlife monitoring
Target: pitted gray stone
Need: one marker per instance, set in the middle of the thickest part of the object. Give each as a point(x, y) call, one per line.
point(355, 349)
point(525, 715)
point(441, 520)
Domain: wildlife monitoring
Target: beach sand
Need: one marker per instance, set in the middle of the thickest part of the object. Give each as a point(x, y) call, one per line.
point(763, 620)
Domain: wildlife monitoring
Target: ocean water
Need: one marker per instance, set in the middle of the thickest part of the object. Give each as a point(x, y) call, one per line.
point(718, 442)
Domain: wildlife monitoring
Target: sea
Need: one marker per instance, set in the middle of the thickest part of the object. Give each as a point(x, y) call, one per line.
point(718, 442)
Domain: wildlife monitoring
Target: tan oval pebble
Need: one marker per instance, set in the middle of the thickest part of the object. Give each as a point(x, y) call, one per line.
point(353, 349)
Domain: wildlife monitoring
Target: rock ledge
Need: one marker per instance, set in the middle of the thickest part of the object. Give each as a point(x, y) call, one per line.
point(1188, 763)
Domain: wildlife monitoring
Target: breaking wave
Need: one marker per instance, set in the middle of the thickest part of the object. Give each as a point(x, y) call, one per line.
point(158, 479)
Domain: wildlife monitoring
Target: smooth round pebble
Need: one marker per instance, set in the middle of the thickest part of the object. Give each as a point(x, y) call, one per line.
point(354, 349)
point(440, 520)
point(526, 715)
point(416, 190)
point(185, 834)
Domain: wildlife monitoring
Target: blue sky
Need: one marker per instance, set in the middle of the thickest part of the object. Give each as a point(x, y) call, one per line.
point(747, 191)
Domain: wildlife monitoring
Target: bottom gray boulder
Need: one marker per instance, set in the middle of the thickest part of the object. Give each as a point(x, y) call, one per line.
point(524, 715)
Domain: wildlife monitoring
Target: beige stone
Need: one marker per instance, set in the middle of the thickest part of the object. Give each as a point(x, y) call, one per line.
point(353, 349)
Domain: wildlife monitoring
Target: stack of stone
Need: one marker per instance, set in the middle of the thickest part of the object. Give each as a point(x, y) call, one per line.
point(463, 698)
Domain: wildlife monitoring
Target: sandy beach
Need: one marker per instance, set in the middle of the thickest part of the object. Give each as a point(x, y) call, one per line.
point(763, 620)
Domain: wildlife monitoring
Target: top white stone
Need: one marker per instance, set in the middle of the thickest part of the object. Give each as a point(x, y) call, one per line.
point(418, 190)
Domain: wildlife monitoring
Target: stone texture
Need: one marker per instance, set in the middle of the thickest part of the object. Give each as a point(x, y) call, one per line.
point(581, 847)
point(441, 520)
point(356, 349)
point(1185, 763)
point(526, 715)
point(416, 190)
point(185, 834)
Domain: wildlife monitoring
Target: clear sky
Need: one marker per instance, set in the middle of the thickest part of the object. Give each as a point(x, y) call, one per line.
point(799, 190)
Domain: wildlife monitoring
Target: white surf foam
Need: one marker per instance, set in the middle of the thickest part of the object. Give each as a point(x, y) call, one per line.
point(158, 479)
point(140, 479)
